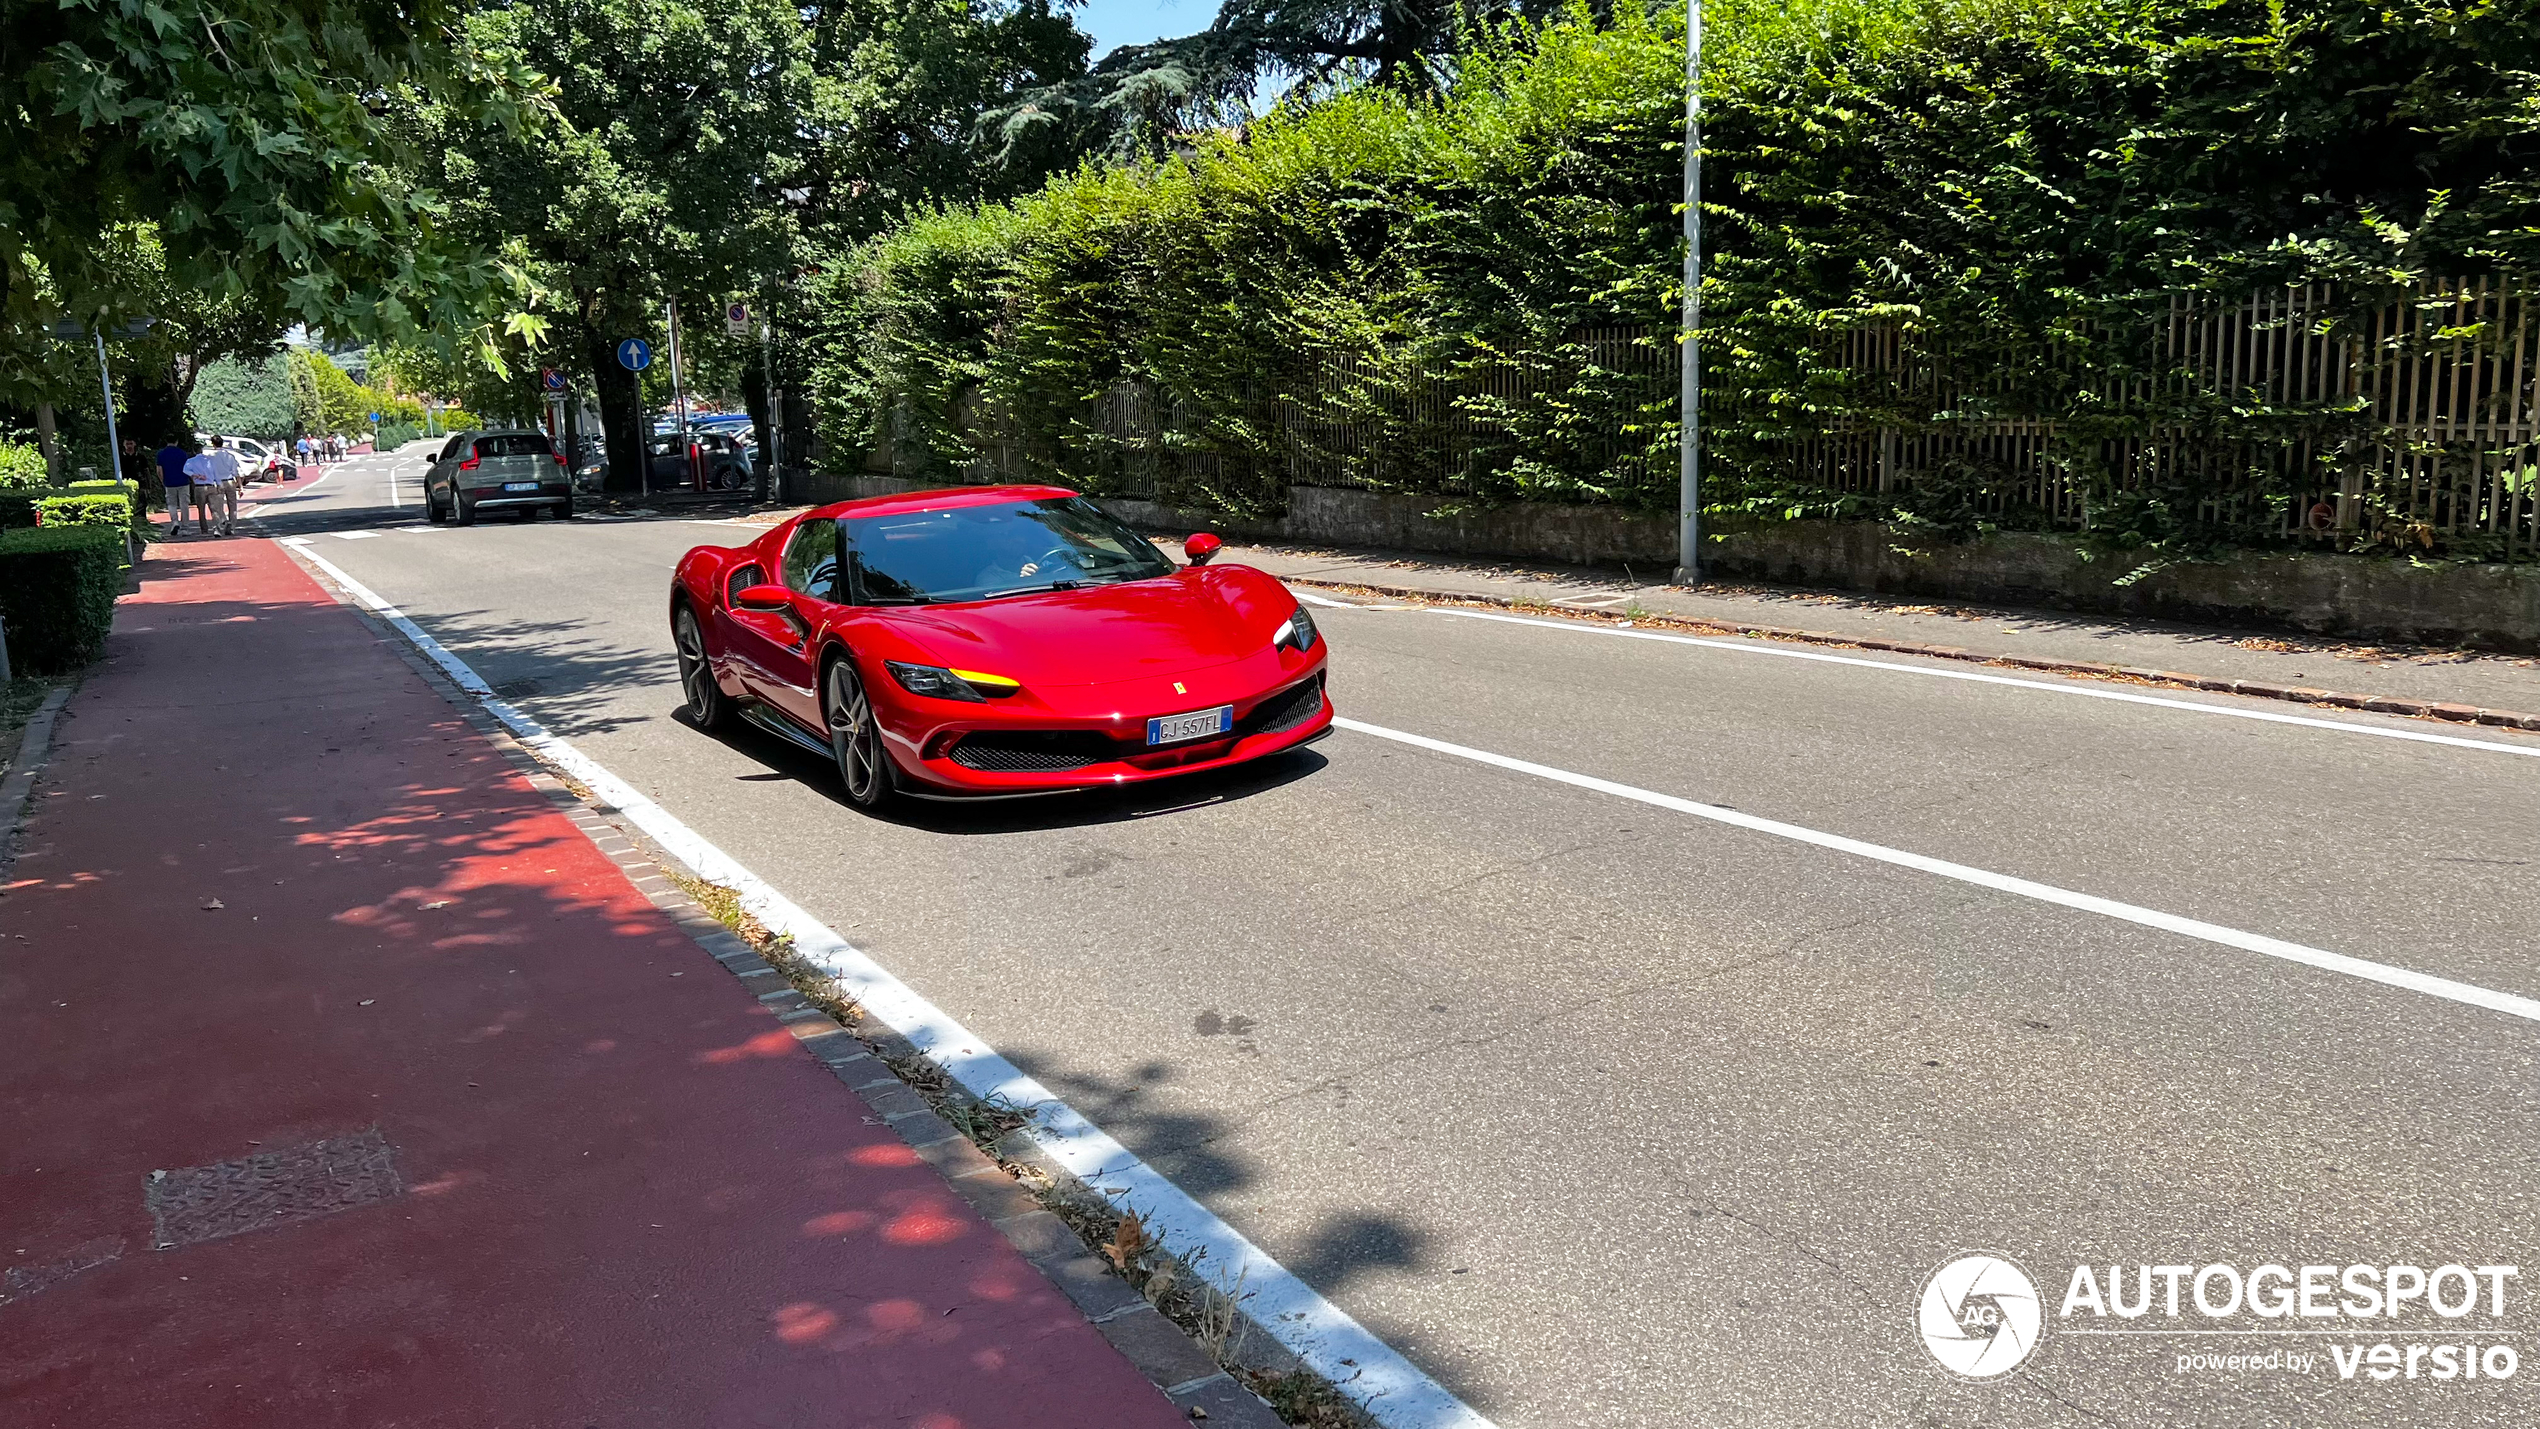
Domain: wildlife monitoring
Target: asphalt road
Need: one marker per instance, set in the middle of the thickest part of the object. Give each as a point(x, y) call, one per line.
point(1608, 1114)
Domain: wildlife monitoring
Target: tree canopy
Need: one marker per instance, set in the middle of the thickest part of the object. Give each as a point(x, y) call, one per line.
point(251, 136)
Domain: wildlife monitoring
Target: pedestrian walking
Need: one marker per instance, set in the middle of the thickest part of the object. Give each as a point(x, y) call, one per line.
point(216, 488)
point(304, 448)
point(173, 484)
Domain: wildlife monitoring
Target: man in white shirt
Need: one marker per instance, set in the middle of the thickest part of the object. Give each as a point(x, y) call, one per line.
point(216, 489)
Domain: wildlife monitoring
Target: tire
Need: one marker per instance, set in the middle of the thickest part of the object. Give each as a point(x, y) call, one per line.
point(855, 739)
point(432, 511)
point(564, 509)
point(707, 704)
point(460, 511)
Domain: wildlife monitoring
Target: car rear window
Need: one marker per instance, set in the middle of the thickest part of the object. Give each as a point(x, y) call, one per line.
point(525, 444)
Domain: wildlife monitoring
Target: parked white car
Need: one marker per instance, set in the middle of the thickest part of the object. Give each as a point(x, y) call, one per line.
point(258, 462)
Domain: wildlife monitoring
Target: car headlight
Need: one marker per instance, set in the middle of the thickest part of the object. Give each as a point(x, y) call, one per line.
point(939, 683)
point(1296, 632)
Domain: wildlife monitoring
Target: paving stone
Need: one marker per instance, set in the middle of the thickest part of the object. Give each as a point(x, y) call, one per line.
point(1227, 1405)
point(1157, 1346)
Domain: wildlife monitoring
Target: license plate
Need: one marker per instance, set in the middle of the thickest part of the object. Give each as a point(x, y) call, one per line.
point(1173, 729)
point(520, 486)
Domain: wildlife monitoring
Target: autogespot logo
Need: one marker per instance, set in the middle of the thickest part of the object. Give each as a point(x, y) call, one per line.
point(1980, 1316)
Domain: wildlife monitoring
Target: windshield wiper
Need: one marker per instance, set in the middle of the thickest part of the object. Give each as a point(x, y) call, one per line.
point(1031, 589)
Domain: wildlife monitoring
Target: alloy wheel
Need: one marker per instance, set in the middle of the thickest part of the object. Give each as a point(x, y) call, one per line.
point(855, 738)
point(696, 676)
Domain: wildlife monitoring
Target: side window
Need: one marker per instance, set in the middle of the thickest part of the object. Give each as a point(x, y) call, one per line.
point(811, 561)
point(742, 579)
point(450, 448)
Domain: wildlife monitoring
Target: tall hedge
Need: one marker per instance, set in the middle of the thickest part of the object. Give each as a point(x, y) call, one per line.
point(57, 594)
point(2016, 190)
point(247, 399)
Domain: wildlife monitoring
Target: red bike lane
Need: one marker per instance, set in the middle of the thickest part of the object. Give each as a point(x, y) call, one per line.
point(433, 1119)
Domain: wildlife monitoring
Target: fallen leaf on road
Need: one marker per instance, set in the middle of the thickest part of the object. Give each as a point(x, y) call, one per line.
point(443, 903)
point(214, 903)
point(367, 1001)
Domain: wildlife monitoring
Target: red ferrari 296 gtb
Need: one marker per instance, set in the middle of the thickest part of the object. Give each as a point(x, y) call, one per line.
point(994, 641)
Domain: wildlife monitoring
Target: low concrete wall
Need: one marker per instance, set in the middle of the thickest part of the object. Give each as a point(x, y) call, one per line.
point(2492, 606)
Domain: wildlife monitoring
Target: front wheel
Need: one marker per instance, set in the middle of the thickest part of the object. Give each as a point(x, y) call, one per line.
point(707, 704)
point(432, 508)
point(855, 738)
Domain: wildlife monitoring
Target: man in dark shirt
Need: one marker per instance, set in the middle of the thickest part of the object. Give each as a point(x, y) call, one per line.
point(173, 482)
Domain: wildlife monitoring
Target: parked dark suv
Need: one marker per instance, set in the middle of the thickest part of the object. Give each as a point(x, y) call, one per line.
point(511, 470)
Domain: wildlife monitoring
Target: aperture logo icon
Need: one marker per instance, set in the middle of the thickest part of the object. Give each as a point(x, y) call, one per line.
point(1980, 1316)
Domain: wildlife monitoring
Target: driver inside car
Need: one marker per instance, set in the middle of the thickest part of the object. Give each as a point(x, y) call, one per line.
point(1044, 564)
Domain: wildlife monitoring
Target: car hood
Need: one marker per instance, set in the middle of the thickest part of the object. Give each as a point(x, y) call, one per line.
point(1170, 625)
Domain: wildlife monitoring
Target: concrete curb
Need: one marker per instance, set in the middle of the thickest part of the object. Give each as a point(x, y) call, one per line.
point(2257, 689)
point(860, 1055)
point(35, 750)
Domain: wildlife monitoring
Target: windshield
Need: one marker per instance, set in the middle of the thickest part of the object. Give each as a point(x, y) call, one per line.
point(979, 552)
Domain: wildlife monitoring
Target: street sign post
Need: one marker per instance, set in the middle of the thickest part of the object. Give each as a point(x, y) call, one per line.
point(634, 354)
point(736, 320)
point(551, 378)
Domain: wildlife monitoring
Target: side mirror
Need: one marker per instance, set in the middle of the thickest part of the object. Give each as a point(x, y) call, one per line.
point(1201, 548)
point(764, 597)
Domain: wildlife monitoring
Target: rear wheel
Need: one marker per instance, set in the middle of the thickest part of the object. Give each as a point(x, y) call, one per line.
point(707, 704)
point(564, 509)
point(855, 739)
point(463, 513)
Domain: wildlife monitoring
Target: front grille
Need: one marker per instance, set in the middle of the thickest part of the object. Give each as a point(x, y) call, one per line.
point(1285, 710)
point(1032, 751)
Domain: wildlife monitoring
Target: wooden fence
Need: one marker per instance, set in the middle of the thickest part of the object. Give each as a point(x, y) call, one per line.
point(2414, 423)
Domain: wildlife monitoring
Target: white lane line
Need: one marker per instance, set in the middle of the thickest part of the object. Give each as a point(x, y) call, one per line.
point(1392, 1390)
point(1325, 601)
point(352, 535)
point(2475, 996)
point(1751, 647)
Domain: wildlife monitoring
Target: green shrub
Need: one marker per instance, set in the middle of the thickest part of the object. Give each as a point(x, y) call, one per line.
point(57, 595)
point(82, 503)
point(85, 508)
point(393, 435)
point(21, 464)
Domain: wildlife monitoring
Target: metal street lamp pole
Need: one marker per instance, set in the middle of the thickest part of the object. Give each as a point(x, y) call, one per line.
point(1689, 443)
point(106, 379)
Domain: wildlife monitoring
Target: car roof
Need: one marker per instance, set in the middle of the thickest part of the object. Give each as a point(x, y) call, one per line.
point(941, 499)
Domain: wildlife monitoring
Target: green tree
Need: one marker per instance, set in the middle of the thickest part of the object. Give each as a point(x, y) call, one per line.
point(680, 128)
point(251, 134)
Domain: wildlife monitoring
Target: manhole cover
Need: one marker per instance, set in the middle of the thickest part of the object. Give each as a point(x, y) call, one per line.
point(271, 1188)
point(516, 689)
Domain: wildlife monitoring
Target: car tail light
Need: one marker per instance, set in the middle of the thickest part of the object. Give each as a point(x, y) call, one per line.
point(560, 458)
point(470, 463)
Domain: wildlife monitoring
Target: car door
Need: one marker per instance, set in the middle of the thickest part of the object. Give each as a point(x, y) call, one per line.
point(438, 472)
point(774, 647)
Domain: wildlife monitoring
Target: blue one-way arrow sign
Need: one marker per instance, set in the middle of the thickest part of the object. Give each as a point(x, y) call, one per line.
point(635, 354)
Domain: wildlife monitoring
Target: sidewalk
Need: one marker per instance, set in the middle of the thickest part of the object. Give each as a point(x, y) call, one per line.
point(2503, 682)
point(348, 1083)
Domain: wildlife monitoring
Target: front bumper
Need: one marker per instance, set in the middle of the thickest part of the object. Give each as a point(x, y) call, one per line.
point(993, 758)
